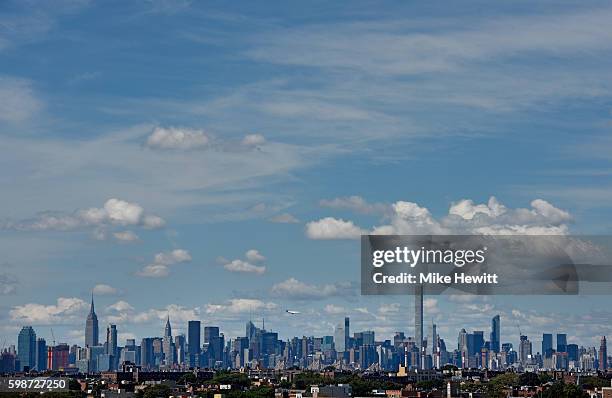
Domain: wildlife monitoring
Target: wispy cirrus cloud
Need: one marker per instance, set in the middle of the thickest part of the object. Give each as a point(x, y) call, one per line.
point(294, 289)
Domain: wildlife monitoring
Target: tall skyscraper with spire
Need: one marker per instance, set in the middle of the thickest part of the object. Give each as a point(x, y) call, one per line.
point(91, 327)
point(168, 328)
point(168, 347)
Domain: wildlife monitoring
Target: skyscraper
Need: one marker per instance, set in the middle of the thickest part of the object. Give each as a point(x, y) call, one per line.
point(214, 344)
point(41, 354)
point(561, 342)
point(477, 342)
point(347, 334)
point(434, 340)
point(194, 331)
point(547, 345)
point(146, 353)
point(495, 333)
point(340, 338)
point(26, 348)
point(179, 348)
point(603, 354)
point(418, 316)
point(111, 345)
point(168, 347)
point(91, 327)
point(525, 350)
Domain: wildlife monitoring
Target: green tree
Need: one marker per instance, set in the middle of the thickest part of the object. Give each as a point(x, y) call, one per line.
point(188, 378)
point(563, 390)
point(157, 391)
point(529, 379)
point(240, 380)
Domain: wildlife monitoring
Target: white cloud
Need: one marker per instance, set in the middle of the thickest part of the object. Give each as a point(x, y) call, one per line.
point(160, 267)
point(114, 212)
point(297, 290)
point(384, 47)
point(333, 228)
point(154, 271)
point(244, 266)
point(121, 212)
point(177, 138)
point(284, 218)
point(253, 140)
point(408, 218)
point(64, 173)
point(174, 257)
point(467, 209)
point(120, 306)
point(238, 265)
point(254, 256)
point(67, 309)
point(102, 289)
point(125, 236)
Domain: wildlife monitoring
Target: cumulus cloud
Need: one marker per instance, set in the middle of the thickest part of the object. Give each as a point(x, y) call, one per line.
point(464, 217)
point(410, 218)
point(284, 218)
point(177, 138)
point(120, 313)
point(120, 306)
point(297, 290)
point(240, 305)
point(66, 310)
point(160, 267)
point(115, 212)
point(333, 228)
point(102, 289)
point(246, 266)
point(254, 256)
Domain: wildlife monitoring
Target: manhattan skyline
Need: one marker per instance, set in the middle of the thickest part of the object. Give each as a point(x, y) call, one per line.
point(217, 162)
point(342, 349)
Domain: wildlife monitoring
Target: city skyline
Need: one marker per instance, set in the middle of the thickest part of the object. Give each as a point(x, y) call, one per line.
point(340, 330)
point(260, 347)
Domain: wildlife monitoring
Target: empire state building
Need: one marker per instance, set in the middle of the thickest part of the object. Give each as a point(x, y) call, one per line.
point(91, 327)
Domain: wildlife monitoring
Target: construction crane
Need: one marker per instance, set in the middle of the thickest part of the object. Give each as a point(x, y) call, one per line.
point(53, 336)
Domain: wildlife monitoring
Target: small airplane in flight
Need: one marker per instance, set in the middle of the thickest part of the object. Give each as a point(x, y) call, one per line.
point(292, 312)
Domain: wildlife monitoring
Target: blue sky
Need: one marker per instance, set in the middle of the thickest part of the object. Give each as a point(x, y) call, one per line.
point(158, 150)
